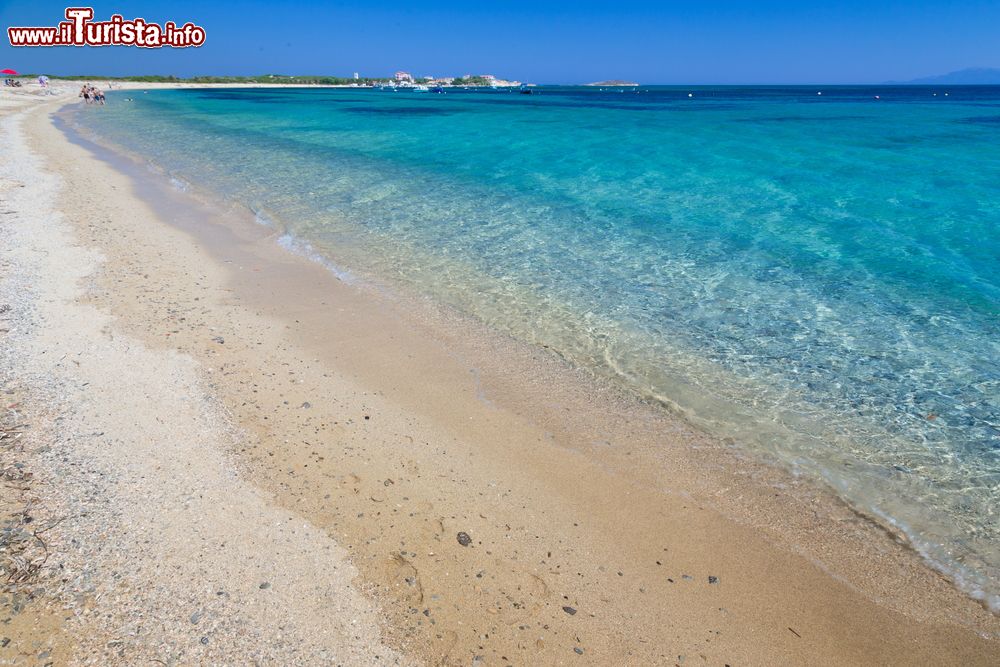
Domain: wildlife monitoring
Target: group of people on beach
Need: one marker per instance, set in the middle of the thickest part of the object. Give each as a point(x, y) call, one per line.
point(91, 94)
point(13, 83)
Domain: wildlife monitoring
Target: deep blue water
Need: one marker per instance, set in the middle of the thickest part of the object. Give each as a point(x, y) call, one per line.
point(816, 276)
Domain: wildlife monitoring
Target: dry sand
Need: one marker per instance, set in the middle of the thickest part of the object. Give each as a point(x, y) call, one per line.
point(202, 413)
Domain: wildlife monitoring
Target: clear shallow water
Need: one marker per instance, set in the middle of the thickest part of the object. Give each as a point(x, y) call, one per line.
point(817, 277)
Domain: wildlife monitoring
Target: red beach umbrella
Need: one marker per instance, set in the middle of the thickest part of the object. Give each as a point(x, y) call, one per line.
point(8, 71)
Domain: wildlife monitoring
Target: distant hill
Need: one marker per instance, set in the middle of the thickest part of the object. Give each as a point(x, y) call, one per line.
point(970, 76)
point(613, 82)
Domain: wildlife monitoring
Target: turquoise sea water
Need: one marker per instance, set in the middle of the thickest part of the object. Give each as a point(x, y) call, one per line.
point(815, 276)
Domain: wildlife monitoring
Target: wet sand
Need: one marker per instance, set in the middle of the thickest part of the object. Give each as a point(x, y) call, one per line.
point(600, 530)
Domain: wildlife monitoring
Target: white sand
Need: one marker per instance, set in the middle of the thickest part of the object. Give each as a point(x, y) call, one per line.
point(186, 563)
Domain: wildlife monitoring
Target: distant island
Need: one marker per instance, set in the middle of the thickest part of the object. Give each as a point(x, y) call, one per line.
point(612, 82)
point(970, 76)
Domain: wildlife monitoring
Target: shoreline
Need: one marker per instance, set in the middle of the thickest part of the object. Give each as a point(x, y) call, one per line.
point(397, 437)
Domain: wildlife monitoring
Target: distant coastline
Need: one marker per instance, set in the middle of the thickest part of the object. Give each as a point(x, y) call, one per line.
point(401, 79)
point(971, 76)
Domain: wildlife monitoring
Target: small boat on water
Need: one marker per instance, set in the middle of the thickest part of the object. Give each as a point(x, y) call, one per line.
point(437, 89)
point(524, 90)
point(421, 89)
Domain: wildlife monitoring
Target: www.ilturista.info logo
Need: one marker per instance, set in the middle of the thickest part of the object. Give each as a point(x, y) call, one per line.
point(80, 30)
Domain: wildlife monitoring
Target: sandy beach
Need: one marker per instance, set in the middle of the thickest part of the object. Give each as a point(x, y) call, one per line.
point(216, 452)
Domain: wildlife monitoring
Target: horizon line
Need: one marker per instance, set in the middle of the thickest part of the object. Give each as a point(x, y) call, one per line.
point(629, 83)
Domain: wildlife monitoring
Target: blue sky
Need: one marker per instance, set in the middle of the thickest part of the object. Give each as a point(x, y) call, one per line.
point(767, 41)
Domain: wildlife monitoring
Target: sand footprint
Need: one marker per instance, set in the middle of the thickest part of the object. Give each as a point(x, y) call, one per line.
point(405, 580)
point(523, 595)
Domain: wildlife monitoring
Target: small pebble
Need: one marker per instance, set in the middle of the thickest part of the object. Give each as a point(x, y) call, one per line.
point(713, 580)
point(264, 586)
point(578, 650)
point(569, 610)
point(464, 539)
